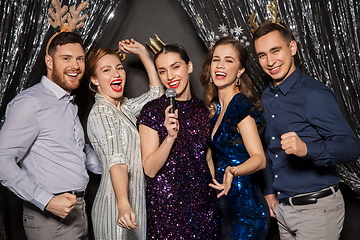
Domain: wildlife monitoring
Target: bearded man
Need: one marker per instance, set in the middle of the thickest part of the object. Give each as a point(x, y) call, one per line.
point(43, 155)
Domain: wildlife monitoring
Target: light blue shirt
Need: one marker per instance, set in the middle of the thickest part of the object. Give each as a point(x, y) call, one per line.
point(42, 145)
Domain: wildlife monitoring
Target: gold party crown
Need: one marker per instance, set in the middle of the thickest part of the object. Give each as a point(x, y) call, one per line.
point(156, 45)
point(273, 7)
point(121, 55)
point(61, 15)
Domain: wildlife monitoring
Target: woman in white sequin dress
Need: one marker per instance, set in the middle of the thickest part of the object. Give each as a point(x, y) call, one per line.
point(119, 207)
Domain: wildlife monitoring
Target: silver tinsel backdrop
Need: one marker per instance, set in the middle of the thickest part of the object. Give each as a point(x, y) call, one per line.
point(327, 33)
point(24, 32)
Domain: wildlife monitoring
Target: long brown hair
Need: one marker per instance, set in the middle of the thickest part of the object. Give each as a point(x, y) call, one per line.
point(94, 56)
point(246, 87)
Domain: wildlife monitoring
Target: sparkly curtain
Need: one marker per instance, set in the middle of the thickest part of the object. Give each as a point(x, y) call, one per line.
point(327, 33)
point(24, 32)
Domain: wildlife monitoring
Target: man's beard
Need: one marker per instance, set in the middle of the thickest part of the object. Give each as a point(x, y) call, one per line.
point(59, 78)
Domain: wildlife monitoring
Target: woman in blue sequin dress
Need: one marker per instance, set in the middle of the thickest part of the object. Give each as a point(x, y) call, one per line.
point(235, 143)
point(180, 203)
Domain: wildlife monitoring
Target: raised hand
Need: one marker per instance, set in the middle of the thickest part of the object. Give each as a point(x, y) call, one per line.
point(132, 46)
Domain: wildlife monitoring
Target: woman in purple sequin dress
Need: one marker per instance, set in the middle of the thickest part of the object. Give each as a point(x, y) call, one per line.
point(180, 203)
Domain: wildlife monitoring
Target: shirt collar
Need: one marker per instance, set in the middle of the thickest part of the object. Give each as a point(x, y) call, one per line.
point(287, 84)
point(58, 91)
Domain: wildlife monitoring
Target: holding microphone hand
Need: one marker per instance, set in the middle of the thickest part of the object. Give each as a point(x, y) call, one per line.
point(171, 94)
point(171, 122)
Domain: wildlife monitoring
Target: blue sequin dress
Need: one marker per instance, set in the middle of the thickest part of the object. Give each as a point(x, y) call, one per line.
point(180, 204)
point(244, 212)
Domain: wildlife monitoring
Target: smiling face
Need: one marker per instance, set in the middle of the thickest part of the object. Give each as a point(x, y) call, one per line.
point(225, 66)
point(276, 56)
point(109, 78)
point(174, 73)
point(66, 67)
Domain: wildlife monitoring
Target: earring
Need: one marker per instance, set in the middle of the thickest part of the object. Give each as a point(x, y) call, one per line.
point(211, 80)
point(238, 80)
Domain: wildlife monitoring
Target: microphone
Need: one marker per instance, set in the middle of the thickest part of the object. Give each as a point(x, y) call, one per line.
point(170, 94)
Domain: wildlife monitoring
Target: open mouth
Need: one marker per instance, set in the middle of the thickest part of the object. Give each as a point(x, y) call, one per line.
point(274, 70)
point(174, 83)
point(116, 85)
point(72, 75)
point(220, 75)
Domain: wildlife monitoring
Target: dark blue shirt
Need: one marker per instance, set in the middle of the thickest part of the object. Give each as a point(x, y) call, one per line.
point(307, 107)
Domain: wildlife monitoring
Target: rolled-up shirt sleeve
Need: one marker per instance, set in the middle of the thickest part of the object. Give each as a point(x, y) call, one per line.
point(16, 138)
point(104, 133)
point(339, 143)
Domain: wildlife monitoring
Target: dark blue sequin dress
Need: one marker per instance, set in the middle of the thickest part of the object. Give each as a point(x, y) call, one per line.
point(180, 204)
point(244, 212)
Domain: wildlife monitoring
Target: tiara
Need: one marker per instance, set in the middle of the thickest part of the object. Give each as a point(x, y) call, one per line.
point(273, 7)
point(155, 45)
point(63, 21)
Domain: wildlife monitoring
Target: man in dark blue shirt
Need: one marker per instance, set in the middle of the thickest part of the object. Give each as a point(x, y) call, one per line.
point(306, 137)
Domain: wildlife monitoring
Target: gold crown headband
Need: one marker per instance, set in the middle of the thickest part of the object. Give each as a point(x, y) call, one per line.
point(156, 45)
point(121, 55)
point(61, 15)
point(273, 7)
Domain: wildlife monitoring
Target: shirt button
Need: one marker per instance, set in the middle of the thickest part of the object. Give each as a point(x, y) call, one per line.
point(276, 95)
point(276, 176)
point(278, 193)
point(272, 138)
point(272, 116)
point(276, 156)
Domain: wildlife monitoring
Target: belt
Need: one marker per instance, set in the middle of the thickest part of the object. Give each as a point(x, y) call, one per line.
point(310, 198)
point(78, 194)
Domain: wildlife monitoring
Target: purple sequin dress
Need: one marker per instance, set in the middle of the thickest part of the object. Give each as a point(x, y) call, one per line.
point(180, 204)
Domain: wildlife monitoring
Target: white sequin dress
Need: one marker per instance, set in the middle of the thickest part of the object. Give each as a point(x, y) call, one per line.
point(114, 136)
